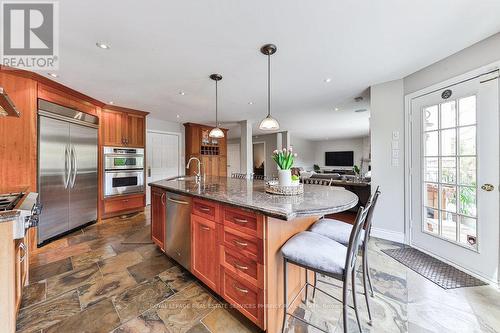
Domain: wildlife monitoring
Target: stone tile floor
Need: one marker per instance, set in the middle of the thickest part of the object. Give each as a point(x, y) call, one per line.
point(93, 280)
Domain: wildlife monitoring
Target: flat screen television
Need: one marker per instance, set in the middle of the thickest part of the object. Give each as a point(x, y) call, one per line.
point(339, 158)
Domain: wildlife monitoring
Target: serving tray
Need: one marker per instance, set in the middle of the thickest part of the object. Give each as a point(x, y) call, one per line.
point(275, 188)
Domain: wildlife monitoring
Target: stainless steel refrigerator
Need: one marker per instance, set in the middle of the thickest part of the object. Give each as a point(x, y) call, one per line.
point(67, 169)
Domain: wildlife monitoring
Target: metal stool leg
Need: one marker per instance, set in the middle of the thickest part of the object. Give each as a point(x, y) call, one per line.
point(315, 282)
point(307, 285)
point(366, 268)
point(285, 291)
point(344, 304)
point(365, 278)
point(354, 298)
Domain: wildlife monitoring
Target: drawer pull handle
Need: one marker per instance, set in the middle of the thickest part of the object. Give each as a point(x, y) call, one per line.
point(238, 266)
point(177, 201)
point(237, 220)
point(204, 209)
point(241, 290)
point(204, 228)
point(237, 242)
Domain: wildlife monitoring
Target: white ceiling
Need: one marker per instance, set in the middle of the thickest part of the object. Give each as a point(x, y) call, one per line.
point(159, 48)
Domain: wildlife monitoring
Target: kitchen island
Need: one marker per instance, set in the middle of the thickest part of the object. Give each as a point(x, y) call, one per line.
point(232, 232)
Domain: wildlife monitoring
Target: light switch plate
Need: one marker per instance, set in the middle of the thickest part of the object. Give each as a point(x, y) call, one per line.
point(395, 153)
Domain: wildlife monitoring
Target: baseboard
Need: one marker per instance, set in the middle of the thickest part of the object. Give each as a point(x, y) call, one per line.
point(390, 235)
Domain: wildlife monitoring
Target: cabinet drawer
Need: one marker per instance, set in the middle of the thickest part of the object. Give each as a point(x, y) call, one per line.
point(123, 204)
point(242, 266)
point(244, 221)
point(246, 298)
point(206, 209)
point(241, 243)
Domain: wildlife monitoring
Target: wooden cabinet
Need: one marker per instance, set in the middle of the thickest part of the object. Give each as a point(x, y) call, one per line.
point(158, 217)
point(204, 251)
point(121, 127)
point(227, 254)
point(123, 204)
point(14, 267)
point(21, 269)
point(136, 130)
point(211, 152)
point(113, 127)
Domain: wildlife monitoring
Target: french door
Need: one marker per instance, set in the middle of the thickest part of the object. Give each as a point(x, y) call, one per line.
point(162, 158)
point(455, 174)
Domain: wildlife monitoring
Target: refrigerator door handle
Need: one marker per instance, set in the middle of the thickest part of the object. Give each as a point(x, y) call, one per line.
point(74, 167)
point(67, 164)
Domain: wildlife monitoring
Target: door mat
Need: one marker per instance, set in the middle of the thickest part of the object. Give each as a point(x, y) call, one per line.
point(442, 274)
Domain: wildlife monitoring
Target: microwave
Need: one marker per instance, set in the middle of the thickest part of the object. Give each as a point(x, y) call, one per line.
point(116, 158)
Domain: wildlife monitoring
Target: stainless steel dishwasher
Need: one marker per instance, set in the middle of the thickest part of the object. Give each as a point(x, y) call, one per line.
point(178, 230)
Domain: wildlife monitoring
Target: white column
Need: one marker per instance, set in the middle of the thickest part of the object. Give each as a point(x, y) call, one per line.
point(246, 147)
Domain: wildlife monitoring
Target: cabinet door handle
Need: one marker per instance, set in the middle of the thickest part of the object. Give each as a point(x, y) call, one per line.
point(239, 243)
point(23, 257)
point(244, 268)
point(125, 200)
point(202, 227)
point(162, 199)
point(204, 209)
point(241, 290)
point(242, 221)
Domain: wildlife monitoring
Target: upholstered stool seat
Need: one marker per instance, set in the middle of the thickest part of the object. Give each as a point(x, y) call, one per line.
point(334, 229)
point(322, 254)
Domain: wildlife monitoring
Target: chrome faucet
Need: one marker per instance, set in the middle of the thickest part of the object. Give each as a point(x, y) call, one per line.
point(198, 174)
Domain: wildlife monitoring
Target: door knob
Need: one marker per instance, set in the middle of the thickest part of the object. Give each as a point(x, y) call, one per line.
point(488, 187)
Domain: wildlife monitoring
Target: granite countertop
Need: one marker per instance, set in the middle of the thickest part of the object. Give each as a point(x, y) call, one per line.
point(250, 194)
point(9, 215)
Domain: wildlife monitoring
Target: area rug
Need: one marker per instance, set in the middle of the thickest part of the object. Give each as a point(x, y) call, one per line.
point(436, 271)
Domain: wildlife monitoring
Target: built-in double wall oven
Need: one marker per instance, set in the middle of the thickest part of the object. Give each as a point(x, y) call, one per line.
point(123, 170)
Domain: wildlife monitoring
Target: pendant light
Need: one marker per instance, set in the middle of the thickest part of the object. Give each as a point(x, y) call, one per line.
point(216, 132)
point(269, 123)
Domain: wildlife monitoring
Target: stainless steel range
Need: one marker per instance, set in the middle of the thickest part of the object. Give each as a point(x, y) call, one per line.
point(27, 205)
point(123, 170)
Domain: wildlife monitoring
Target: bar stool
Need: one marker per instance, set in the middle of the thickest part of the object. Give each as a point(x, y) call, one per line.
point(320, 254)
point(340, 232)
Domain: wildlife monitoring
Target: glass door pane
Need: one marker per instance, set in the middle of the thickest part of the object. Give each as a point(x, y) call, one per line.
point(449, 171)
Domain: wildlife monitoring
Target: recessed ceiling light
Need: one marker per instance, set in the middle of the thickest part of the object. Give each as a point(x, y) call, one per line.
point(328, 80)
point(250, 103)
point(53, 75)
point(182, 93)
point(111, 102)
point(178, 116)
point(336, 109)
point(103, 45)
